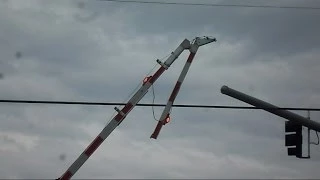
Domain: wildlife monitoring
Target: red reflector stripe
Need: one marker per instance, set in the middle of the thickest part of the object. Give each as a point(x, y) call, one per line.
point(126, 108)
point(156, 75)
point(66, 176)
point(93, 146)
point(118, 117)
point(190, 58)
point(175, 92)
point(157, 130)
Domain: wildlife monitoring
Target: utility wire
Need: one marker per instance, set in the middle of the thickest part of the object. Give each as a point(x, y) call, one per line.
point(214, 5)
point(153, 98)
point(177, 105)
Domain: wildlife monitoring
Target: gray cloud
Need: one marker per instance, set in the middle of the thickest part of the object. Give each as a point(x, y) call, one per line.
point(101, 51)
point(268, 31)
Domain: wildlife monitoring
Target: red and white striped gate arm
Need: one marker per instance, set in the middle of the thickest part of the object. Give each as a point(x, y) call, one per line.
point(123, 112)
point(165, 116)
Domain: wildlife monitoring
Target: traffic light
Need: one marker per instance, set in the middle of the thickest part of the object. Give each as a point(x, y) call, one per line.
point(293, 139)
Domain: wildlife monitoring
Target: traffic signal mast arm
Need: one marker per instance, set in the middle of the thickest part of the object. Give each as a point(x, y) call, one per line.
point(295, 118)
point(165, 116)
point(293, 126)
point(107, 130)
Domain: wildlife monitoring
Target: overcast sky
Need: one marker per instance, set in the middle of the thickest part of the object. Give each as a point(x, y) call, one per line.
point(101, 51)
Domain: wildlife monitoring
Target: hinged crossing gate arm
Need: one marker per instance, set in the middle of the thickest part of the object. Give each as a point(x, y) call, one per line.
point(123, 112)
point(165, 116)
point(121, 115)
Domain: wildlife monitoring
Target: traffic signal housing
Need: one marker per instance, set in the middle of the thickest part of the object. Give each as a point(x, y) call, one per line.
point(293, 139)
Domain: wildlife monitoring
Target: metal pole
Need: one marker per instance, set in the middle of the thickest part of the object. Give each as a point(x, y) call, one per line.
point(271, 108)
point(309, 136)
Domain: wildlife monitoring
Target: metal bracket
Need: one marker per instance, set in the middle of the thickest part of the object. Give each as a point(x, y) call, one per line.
point(118, 110)
point(162, 64)
point(205, 40)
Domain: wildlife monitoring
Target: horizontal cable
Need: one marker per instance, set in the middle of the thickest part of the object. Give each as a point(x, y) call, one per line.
point(213, 5)
point(143, 104)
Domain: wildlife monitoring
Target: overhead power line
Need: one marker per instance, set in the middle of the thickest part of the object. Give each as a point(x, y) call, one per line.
point(151, 105)
point(214, 5)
